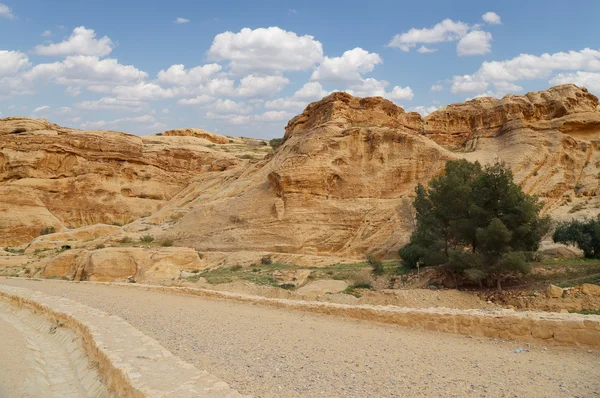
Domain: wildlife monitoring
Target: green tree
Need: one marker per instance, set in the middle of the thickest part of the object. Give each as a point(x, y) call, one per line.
point(584, 234)
point(276, 143)
point(476, 222)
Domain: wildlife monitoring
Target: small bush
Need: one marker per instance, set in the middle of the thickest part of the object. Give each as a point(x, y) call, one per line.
point(132, 280)
point(376, 264)
point(167, 243)
point(47, 230)
point(125, 239)
point(231, 141)
point(288, 286)
point(276, 143)
point(361, 282)
point(266, 260)
point(576, 208)
point(147, 238)
point(236, 268)
point(100, 246)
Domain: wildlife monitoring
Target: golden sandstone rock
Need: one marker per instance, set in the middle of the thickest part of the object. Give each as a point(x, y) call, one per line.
point(339, 186)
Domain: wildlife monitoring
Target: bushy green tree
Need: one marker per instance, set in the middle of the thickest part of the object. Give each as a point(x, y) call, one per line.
point(476, 221)
point(585, 234)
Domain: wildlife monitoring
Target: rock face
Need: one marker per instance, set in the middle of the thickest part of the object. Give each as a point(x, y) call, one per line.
point(113, 263)
point(340, 186)
point(52, 176)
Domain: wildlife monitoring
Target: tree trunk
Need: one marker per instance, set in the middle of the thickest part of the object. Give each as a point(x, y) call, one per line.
point(455, 282)
point(499, 284)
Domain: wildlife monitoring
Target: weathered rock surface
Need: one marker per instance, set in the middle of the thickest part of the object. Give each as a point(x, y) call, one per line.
point(120, 263)
point(340, 186)
point(553, 291)
point(51, 176)
point(590, 289)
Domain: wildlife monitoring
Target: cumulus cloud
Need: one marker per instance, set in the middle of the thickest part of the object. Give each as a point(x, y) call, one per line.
point(180, 20)
point(254, 86)
point(41, 109)
point(447, 30)
point(590, 80)
point(311, 91)
point(199, 100)
point(437, 87)
point(347, 68)
point(177, 74)
point(423, 110)
point(268, 116)
point(81, 42)
point(476, 42)
point(146, 91)
point(426, 50)
point(83, 70)
point(504, 74)
point(111, 103)
point(46, 33)
point(492, 18)
point(400, 93)
point(6, 12)
point(11, 62)
point(265, 49)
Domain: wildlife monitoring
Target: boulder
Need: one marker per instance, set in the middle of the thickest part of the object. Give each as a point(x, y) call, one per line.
point(590, 289)
point(553, 291)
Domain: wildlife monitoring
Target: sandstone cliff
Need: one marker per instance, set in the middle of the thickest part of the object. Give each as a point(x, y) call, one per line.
point(51, 176)
point(339, 186)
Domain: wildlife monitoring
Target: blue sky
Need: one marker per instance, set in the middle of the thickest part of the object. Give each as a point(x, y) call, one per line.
point(245, 68)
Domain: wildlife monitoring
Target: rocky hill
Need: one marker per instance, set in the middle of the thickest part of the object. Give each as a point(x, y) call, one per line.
point(339, 186)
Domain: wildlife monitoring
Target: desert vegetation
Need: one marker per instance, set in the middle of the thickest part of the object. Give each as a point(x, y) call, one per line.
point(476, 223)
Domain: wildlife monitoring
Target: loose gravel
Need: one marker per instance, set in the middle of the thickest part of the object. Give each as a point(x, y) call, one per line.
point(270, 352)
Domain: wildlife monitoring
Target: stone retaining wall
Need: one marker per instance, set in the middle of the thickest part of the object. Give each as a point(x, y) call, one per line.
point(550, 328)
point(130, 363)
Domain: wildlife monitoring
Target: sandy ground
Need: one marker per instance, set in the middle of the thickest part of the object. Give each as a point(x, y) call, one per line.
point(271, 352)
point(13, 361)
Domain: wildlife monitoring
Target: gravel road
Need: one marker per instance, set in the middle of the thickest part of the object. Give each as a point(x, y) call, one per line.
point(271, 352)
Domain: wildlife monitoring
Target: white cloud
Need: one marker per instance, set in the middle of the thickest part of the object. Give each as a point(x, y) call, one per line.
point(199, 100)
point(180, 20)
point(347, 68)
point(504, 74)
point(6, 12)
point(93, 125)
point(41, 109)
point(146, 91)
point(467, 84)
point(286, 103)
point(476, 42)
point(437, 87)
point(137, 119)
point(265, 49)
point(590, 80)
point(81, 42)
point(426, 50)
point(73, 91)
point(400, 93)
point(110, 103)
point(85, 70)
point(269, 116)
point(423, 110)
point(64, 110)
point(492, 18)
point(46, 33)
point(254, 86)
point(177, 75)
point(311, 91)
point(11, 62)
point(447, 30)
point(229, 106)
point(165, 111)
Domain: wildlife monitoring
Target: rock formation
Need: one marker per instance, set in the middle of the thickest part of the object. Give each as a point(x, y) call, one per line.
point(340, 185)
point(58, 177)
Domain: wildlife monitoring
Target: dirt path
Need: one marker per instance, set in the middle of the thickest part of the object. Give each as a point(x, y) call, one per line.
point(276, 353)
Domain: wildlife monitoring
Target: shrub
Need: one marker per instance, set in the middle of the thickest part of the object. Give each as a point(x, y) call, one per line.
point(585, 234)
point(361, 282)
point(47, 230)
point(167, 243)
point(100, 246)
point(125, 239)
point(276, 143)
point(147, 238)
point(576, 208)
point(266, 260)
point(376, 264)
point(236, 268)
